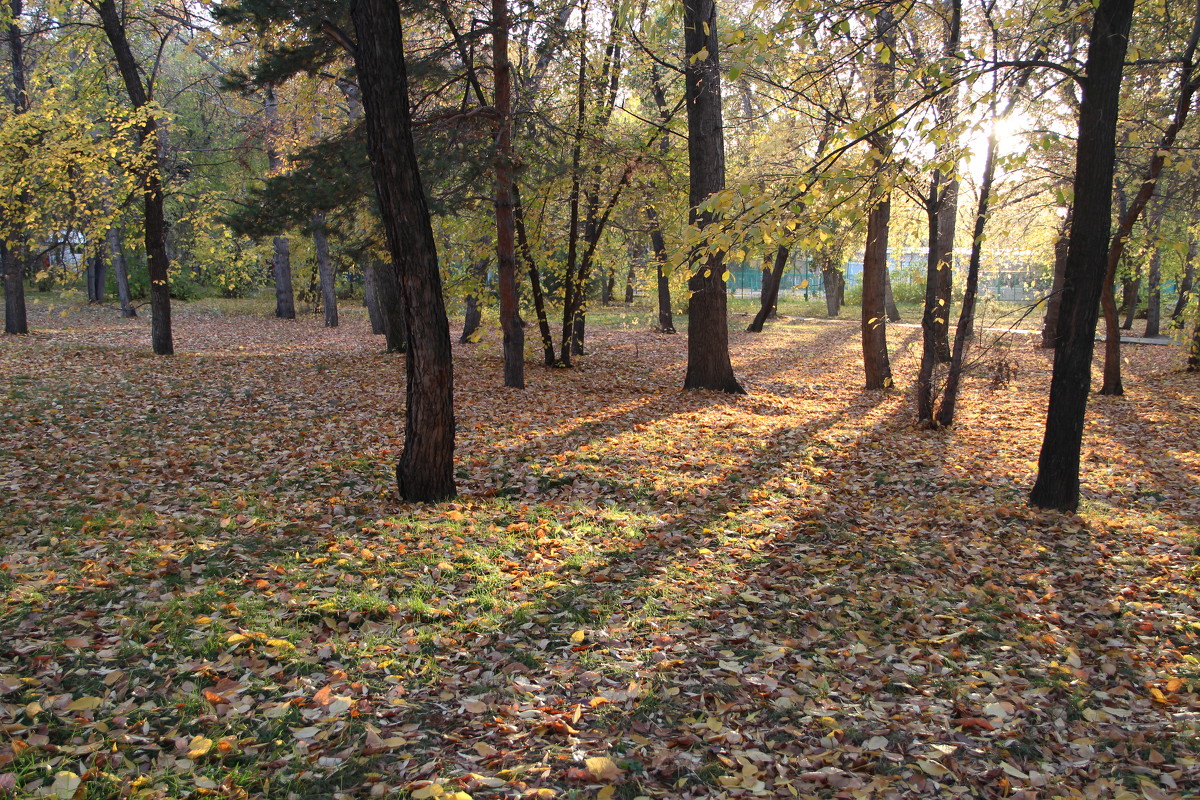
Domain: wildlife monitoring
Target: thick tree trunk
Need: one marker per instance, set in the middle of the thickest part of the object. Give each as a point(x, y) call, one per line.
point(874, 314)
point(155, 219)
point(425, 471)
point(770, 297)
point(325, 270)
point(1054, 301)
point(1057, 484)
point(371, 299)
point(511, 323)
point(116, 254)
point(281, 259)
point(281, 268)
point(15, 318)
point(709, 366)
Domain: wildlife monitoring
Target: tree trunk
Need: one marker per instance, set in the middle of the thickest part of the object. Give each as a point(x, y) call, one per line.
point(1057, 484)
point(935, 313)
point(1054, 301)
point(506, 248)
point(116, 254)
point(774, 277)
point(96, 275)
point(1193, 362)
point(1188, 85)
point(666, 320)
point(281, 259)
point(155, 220)
point(834, 284)
point(16, 319)
point(425, 471)
point(966, 315)
point(535, 279)
point(1130, 290)
point(889, 300)
point(1186, 282)
point(709, 366)
point(874, 277)
point(630, 276)
point(325, 270)
point(473, 317)
point(946, 224)
point(1154, 292)
point(371, 299)
point(391, 307)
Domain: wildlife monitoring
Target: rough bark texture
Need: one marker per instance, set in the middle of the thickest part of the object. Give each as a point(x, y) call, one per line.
point(391, 307)
point(1054, 301)
point(281, 258)
point(1193, 363)
point(96, 275)
point(425, 471)
point(946, 224)
point(770, 297)
point(511, 323)
point(16, 320)
point(876, 365)
point(155, 219)
point(116, 254)
point(1131, 288)
point(325, 270)
point(935, 313)
point(708, 366)
point(1057, 484)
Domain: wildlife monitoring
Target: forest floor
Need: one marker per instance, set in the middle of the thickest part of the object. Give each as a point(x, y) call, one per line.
point(210, 588)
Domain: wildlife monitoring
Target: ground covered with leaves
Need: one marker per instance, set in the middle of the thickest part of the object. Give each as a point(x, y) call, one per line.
point(210, 588)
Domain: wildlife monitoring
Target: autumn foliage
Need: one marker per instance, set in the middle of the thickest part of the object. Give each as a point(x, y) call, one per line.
point(211, 589)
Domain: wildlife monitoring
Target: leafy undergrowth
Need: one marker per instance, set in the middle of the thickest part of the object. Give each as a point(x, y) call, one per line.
point(210, 588)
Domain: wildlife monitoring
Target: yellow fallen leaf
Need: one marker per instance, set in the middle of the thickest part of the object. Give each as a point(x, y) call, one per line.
point(84, 704)
point(198, 746)
point(602, 768)
point(236, 638)
point(577, 637)
point(606, 793)
point(426, 792)
point(282, 644)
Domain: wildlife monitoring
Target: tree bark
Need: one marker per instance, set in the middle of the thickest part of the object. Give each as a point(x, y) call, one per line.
point(1057, 484)
point(771, 295)
point(1130, 295)
point(1188, 84)
point(425, 471)
point(391, 307)
point(1154, 293)
point(658, 245)
point(96, 275)
point(709, 365)
point(1054, 301)
point(511, 323)
point(834, 284)
point(281, 259)
point(116, 254)
point(473, 317)
point(935, 312)
point(889, 299)
point(966, 315)
point(16, 318)
point(325, 270)
point(1186, 282)
point(152, 192)
point(371, 299)
point(535, 279)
